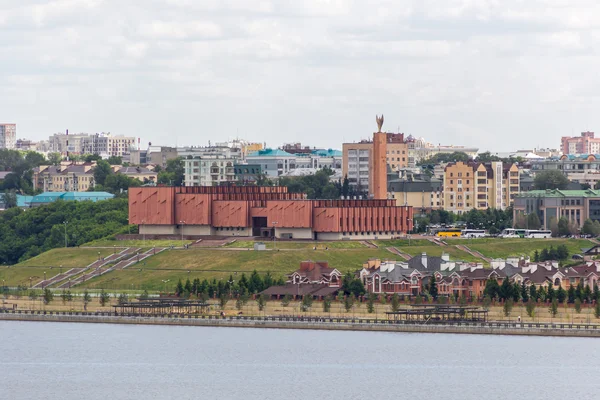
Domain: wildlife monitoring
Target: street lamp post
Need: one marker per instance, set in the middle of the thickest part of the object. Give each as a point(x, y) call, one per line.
point(165, 283)
point(65, 224)
point(181, 225)
point(114, 249)
point(143, 232)
point(44, 284)
point(98, 256)
point(274, 234)
point(60, 269)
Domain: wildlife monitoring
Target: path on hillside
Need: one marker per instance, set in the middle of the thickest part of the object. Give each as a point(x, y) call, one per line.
point(369, 244)
point(399, 252)
point(75, 271)
point(474, 253)
point(436, 241)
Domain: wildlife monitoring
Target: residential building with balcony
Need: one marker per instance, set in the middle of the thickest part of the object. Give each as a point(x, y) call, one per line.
point(357, 158)
point(586, 143)
point(273, 162)
point(583, 168)
point(479, 185)
point(8, 136)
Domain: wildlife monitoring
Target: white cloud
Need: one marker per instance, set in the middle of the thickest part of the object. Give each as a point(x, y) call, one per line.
point(490, 73)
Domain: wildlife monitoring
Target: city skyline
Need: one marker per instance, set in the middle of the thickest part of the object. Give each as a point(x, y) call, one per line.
point(460, 73)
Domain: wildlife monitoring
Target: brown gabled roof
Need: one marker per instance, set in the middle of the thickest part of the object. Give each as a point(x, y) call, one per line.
point(314, 270)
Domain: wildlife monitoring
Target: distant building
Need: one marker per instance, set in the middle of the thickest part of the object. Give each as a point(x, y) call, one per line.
point(574, 205)
point(357, 159)
point(22, 201)
point(49, 197)
point(102, 144)
point(423, 195)
point(274, 162)
point(479, 185)
point(583, 168)
point(26, 145)
point(419, 149)
point(209, 166)
point(584, 144)
point(8, 136)
point(142, 174)
point(313, 278)
point(247, 173)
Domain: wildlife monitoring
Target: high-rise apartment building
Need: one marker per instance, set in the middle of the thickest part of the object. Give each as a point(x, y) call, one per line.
point(479, 185)
point(357, 159)
point(8, 136)
point(584, 144)
point(209, 166)
point(103, 144)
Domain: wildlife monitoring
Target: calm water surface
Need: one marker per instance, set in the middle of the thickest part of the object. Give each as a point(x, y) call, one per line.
point(94, 361)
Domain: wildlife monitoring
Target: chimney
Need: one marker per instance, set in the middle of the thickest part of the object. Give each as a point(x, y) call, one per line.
point(424, 259)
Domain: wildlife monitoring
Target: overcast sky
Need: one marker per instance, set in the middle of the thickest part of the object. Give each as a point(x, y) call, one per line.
point(499, 75)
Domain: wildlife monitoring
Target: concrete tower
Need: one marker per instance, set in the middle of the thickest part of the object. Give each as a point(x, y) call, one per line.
point(378, 186)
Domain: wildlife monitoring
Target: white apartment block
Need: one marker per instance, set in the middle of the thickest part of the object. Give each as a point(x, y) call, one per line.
point(8, 136)
point(209, 166)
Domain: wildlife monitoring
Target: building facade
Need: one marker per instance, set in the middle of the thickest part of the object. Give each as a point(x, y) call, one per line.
point(263, 211)
point(423, 196)
point(8, 136)
point(479, 185)
point(584, 168)
point(209, 166)
point(574, 205)
point(584, 144)
point(357, 159)
point(274, 162)
point(419, 149)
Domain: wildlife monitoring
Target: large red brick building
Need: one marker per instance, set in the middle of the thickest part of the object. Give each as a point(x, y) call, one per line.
point(262, 211)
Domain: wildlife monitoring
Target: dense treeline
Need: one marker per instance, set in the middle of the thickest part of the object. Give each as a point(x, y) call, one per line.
point(243, 286)
point(516, 292)
point(25, 234)
point(20, 165)
point(493, 220)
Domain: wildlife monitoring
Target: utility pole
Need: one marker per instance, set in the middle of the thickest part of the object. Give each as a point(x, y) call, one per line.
point(181, 225)
point(65, 224)
point(274, 235)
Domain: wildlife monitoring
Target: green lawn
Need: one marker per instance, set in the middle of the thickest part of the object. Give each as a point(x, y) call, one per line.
point(308, 245)
point(68, 258)
point(502, 248)
point(436, 251)
point(15, 276)
point(403, 242)
point(136, 243)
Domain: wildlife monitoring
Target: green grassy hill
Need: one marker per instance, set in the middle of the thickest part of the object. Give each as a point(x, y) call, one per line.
point(213, 263)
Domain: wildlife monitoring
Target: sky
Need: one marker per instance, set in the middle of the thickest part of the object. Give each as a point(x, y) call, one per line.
point(500, 75)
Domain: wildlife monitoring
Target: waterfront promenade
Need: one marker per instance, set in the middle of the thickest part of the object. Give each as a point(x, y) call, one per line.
point(318, 323)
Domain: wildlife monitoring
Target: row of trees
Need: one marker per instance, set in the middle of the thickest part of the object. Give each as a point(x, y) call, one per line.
point(558, 227)
point(516, 292)
point(25, 234)
point(493, 220)
point(233, 288)
point(561, 253)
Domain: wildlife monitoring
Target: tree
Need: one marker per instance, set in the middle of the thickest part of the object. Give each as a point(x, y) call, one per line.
point(174, 172)
point(285, 301)
point(597, 310)
point(115, 160)
point(550, 179)
point(64, 296)
point(588, 227)
point(48, 296)
point(433, 289)
point(349, 303)
point(418, 299)
point(261, 302)
point(307, 302)
point(86, 299)
point(371, 303)
point(223, 300)
point(536, 256)
point(508, 306)
point(577, 306)
point(122, 299)
point(561, 295)
point(492, 289)
point(104, 298)
point(553, 226)
point(10, 198)
point(563, 226)
point(487, 302)
point(101, 171)
point(54, 158)
point(530, 308)
point(571, 294)
point(533, 221)
point(327, 304)
point(553, 309)
point(395, 302)
point(346, 187)
point(179, 288)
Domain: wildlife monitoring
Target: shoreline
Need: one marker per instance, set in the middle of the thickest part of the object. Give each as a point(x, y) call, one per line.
point(478, 328)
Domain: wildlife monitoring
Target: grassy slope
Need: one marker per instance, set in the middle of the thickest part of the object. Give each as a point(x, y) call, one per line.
point(136, 243)
point(15, 276)
point(249, 244)
point(70, 257)
point(502, 248)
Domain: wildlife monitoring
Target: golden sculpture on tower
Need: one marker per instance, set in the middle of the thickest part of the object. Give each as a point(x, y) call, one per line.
point(379, 122)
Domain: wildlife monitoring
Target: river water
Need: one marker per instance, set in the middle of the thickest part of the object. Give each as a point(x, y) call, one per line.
point(95, 361)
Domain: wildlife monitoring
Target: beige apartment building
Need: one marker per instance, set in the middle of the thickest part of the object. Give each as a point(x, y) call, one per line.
point(79, 177)
point(479, 185)
point(357, 158)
